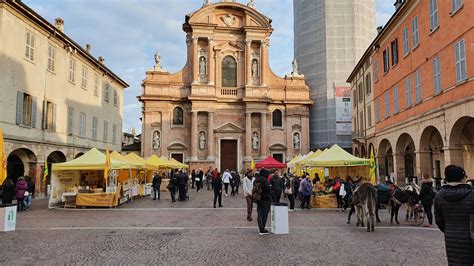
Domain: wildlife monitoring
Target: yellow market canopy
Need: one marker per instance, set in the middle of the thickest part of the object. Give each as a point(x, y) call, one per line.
point(336, 157)
point(91, 160)
point(132, 157)
point(178, 164)
point(310, 157)
point(133, 164)
point(291, 163)
point(160, 163)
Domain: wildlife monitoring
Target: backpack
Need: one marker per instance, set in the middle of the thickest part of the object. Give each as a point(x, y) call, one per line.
point(256, 192)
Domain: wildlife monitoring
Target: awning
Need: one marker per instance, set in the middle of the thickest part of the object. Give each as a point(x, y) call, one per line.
point(91, 160)
point(270, 162)
point(335, 157)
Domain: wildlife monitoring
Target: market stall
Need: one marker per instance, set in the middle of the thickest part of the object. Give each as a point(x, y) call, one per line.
point(336, 162)
point(144, 175)
point(270, 163)
point(161, 164)
point(81, 182)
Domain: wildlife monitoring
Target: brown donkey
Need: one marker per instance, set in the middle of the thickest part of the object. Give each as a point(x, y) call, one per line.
point(365, 200)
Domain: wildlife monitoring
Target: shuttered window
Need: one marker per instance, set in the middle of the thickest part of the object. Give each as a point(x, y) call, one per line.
point(395, 100)
point(406, 41)
point(387, 104)
point(377, 110)
point(418, 86)
point(460, 52)
point(72, 70)
point(114, 133)
point(49, 116)
point(82, 124)
point(70, 120)
point(51, 58)
point(26, 110)
point(408, 92)
point(105, 135)
point(433, 14)
point(437, 75)
point(415, 32)
point(95, 122)
point(30, 46)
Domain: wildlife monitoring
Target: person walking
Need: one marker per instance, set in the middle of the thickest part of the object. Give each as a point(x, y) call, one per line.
point(193, 178)
point(306, 192)
point(182, 179)
point(288, 184)
point(276, 187)
point(226, 177)
point(453, 205)
point(156, 184)
point(347, 198)
point(234, 183)
point(31, 190)
point(427, 196)
point(263, 205)
point(209, 178)
point(21, 190)
point(217, 187)
point(199, 179)
point(8, 191)
point(248, 187)
point(172, 186)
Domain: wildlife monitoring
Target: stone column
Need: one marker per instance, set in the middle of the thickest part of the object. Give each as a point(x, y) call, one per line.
point(263, 137)
point(248, 136)
point(210, 136)
point(194, 136)
point(263, 62)
point(453, 155)
point(195, 59)
point(248, 63)
point(210, 56)
point(423, 164)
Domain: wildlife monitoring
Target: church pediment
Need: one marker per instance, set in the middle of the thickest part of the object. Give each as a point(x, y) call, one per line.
point(277, 146)
point(229, 128)
point(229, 46)
point(177, 146)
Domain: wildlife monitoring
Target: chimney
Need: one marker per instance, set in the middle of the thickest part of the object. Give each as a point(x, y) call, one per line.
point(398, 3)
point(379, 29)
point(101, 60)
point(88, 48)
point(59, 24)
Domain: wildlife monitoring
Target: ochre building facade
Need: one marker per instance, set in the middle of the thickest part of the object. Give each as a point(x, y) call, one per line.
point(225, 107)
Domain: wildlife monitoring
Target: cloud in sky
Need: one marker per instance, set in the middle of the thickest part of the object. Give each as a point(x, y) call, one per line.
point(128, 32)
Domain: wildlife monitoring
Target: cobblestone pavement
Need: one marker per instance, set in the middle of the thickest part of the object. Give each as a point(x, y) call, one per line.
point(192, 232)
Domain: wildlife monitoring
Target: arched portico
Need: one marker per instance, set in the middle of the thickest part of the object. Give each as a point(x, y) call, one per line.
point(21, 162)
point(385, 158)
point(405, 156)
point(461, 144)
point(430, 155)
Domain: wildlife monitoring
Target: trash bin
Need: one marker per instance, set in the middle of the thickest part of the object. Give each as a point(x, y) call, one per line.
point(7, 217)
point(279, 212)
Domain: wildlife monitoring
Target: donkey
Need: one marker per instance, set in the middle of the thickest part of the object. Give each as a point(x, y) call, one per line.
point(365, 200)
point(400, 197)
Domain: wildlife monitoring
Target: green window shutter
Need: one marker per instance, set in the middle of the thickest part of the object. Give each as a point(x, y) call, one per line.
point(19, 107)
point(45, 115)
point(33, 112)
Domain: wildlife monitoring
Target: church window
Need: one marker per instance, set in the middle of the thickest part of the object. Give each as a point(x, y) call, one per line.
point(178, 116)
point(229, 72)
point(277, 118)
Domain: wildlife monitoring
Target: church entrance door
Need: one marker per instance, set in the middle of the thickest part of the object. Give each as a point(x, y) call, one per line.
point(228, 154)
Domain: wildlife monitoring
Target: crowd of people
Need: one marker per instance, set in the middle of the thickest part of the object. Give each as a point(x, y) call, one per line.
point(22, 191)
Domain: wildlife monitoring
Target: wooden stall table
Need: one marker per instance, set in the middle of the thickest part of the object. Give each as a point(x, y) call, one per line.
point(97, 200)
point(69, 199)
point(324, 201)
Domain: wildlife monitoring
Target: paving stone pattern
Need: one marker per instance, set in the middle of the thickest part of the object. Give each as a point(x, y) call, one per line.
point(192, 232)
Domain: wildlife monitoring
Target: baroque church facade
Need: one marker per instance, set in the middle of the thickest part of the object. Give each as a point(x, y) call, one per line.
point(226, 106)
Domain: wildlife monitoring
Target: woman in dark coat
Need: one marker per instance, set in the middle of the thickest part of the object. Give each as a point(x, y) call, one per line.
point(21, 188)
point(427, 196)
point(453, 204)
point(8, 191)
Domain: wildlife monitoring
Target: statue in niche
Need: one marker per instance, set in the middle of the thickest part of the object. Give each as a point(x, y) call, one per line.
point(255, 68)
point(158, 63)
point(202, 66)
point(156, 140)
point(294, 64)
point(202, 141)
point(255, 141)
point(296, 141)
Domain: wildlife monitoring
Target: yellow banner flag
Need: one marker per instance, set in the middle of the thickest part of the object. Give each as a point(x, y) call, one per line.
point(373, 178)
point(45, 171)
point(252, 165)
point(3, 160)
point(107, 165)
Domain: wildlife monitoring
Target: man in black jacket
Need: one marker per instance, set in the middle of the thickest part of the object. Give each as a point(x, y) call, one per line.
point(263, 205)
point(276, 187)
point(217, 187)
point(156, 183)
point(453, 206)
point(182, 180)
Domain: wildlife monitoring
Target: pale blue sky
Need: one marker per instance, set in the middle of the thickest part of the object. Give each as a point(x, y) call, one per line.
point(128, 32)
